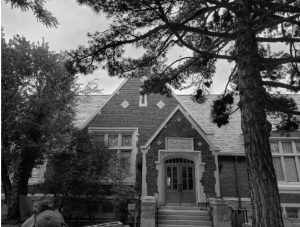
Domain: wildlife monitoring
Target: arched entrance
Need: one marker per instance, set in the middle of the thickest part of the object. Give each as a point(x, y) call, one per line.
point(180, 181)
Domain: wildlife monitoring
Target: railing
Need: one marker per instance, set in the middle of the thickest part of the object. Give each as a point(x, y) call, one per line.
point(209, 207)
point(156, 215)
point(108, 224)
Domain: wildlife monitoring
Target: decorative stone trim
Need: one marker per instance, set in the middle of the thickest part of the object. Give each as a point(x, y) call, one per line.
point(125, 104)
point(160, 104)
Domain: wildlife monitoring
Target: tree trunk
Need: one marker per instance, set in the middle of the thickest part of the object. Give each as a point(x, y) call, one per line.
point(21, 176)
point(6, 184)
point(256, 129)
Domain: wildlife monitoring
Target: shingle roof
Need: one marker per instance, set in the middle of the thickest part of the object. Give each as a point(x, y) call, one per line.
point(87, 107)
point(228, 138)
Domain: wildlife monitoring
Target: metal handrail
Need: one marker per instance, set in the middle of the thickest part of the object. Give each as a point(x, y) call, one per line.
point(209, 207)
point(156, 215)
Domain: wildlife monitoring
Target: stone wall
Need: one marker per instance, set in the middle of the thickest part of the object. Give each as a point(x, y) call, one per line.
point(179, 126)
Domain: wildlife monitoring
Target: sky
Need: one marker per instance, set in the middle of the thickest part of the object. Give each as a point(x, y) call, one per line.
point(75, 22)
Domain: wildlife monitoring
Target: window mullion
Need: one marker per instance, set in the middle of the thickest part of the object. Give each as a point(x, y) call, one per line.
point(119, 140)
point(106, 138)
point(282, 161)
point(296, 159)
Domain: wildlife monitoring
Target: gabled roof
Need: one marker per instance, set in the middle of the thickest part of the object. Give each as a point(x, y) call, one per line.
point(88, 107)
point(228, 138)
point(87, 121)
point(190, 119)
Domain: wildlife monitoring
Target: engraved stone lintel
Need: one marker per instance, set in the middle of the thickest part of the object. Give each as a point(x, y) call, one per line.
point(173, 143)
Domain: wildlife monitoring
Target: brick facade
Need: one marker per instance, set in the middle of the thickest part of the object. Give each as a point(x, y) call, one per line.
point(228, 185)
point(142, 117)
point(179, 126)
point(289, 198)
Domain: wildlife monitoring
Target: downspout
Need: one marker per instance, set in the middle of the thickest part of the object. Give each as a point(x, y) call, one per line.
point(237, 182)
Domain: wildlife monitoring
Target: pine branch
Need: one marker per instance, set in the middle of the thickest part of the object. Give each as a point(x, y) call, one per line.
point(177, 60)
point(229, 6)
point(182, 27)
point(278, 39)
point(230, 78)
point(281, 85)
point(279, 61)
point(276, 22)
point(281, 7)
point(200, 12)
point(118, 43)
point(189, 46)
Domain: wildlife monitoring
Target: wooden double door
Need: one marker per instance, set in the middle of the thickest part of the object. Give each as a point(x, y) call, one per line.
point(180, 181)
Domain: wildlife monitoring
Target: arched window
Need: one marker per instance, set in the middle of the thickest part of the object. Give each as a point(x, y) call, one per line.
point(179, 161)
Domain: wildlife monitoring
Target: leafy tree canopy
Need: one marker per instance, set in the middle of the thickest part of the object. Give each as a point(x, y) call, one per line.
point(38, 98)
point(78, 171)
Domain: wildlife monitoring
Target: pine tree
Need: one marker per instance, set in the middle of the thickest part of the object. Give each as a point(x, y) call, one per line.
point(38, 9)
point(243, 32)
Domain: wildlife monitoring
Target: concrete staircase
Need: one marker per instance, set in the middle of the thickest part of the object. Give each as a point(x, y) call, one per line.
point(183, 216)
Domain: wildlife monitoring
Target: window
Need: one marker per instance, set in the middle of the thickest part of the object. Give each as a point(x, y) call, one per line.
point(113, 140)
point(291, 210)
point(286, 160)
point(99, 138)
point(125, 160)
point(126, 140)
point(121, 145)
point(143, 100)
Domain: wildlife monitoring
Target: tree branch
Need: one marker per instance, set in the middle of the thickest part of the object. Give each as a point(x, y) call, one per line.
point(182, 27)
point(229, 78)
point(278, 39)
point(118, 43)
point(189, 46)
point(281, 85)
point(279, 61)
point(276, 22)
point(199, 12)
point(223, 5)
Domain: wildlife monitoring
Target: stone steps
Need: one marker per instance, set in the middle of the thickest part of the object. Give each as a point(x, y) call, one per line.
point(183, 216)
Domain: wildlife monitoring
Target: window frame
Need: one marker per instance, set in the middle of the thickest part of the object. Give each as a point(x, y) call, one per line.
point(143, 100)
point(295, 154)
point(132, 148)
point(289, 205)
